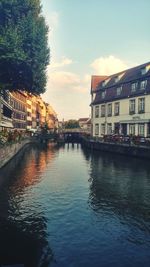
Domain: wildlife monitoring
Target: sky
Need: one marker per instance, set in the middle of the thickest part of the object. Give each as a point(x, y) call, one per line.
point(91, 37)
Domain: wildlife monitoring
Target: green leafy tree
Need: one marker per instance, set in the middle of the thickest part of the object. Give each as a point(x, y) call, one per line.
point(24, 52)
point(71, 124)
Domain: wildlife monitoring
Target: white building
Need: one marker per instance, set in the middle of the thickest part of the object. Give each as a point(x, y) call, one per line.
point(120, 103)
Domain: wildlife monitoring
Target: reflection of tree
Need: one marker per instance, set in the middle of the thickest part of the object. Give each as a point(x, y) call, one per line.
point(24, 243)
point(23, 226)
point(120, 186)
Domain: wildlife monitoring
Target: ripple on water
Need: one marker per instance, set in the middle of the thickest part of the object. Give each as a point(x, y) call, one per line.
point(76, 208)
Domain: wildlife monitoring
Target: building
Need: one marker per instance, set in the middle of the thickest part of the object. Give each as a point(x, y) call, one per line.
point(41, 112)
point(24, 111)
point(85, 124)
point(5, 110)
point(18, 103)
point(29, 111)
point(51, 117)
point(120, 103)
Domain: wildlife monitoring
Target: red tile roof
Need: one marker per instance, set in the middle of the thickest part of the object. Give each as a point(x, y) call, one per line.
point(95, 81)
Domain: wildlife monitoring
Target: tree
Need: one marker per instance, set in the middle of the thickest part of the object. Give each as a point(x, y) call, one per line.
point(71, 124)
point(24, 52)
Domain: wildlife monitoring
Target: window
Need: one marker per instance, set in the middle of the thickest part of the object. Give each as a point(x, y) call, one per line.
point(104, 83)
point(134, 87)
point(117, 78)
point(102, 110)
point(148, 129)
point(141, 105)
point(132, 106)
point(119, 90)
point(143, 84)
point(145, 69)
point(109, 128)
point(96, 111)
point(92, 112)
point(132, 129)
point(141, 129)
point(96, 129)
point(116, 110)
point(109, 110)
point(102, 128)
point(103, 94)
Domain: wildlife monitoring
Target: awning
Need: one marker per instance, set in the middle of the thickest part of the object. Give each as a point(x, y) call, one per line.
point(6, 124)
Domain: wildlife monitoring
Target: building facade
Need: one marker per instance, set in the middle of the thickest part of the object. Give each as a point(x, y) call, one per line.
point(51, 117)
point(5, 110)
point(18, 103)
point(85, 124)
point(120, 103)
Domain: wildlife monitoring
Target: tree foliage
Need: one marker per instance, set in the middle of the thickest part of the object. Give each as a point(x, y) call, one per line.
point(24, 52)
point(71, 124)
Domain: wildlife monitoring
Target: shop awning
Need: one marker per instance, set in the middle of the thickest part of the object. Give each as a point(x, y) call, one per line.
point(7, 124)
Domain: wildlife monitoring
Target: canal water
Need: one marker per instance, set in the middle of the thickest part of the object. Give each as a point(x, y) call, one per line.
point(70, 207)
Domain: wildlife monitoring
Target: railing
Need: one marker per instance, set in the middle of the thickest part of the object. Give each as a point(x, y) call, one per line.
point(119, 139)
point(74, 130)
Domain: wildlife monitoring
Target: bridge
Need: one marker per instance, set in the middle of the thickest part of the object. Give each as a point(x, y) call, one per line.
point(63, 135)
point(72, 135)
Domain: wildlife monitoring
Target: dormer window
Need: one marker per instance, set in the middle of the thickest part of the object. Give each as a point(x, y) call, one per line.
point(119, 90)
point(105, 82)
point(143, 84)
point(134, 87)
point(118, 78)
point(103, 94)
point(145, 69)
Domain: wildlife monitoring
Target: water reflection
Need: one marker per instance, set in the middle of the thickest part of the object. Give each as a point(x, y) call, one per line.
point(121, 187)
point(23, 226)
point(75, 207)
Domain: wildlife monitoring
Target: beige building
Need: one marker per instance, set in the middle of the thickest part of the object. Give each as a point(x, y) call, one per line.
point(18, 103)
point(51, 117)
point(120, 103)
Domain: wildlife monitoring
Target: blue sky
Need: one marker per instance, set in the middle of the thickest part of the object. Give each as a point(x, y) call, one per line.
point(91, 37)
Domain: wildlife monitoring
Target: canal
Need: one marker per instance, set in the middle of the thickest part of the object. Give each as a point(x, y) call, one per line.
point(70, 207)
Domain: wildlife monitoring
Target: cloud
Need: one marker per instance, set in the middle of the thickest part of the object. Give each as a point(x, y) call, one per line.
point(53, 19)
point(69, 92)
point(63, 79)
point(63, 62)
point(108, 65)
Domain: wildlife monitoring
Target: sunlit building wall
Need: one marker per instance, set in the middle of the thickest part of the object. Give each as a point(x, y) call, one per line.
point(121, 103)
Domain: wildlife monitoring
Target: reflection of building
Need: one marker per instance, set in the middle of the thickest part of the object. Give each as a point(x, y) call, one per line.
point(18, 103)
point(5, 110)
point(120, 102)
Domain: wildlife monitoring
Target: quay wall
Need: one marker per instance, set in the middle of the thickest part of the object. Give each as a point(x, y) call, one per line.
point(124, 149)
point(7, 152)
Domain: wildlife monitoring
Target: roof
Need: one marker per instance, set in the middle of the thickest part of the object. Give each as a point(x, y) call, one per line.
point(108, 87)
point(83, 119)
point(95, 81)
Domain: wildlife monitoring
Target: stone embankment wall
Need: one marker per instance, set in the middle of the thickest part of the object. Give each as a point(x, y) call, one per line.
point(124, 149)
point(7, 152)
